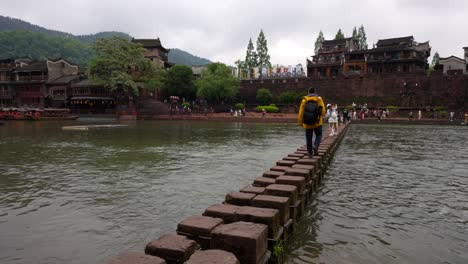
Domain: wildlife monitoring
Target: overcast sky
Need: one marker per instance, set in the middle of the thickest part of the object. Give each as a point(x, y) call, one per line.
point(219, 30)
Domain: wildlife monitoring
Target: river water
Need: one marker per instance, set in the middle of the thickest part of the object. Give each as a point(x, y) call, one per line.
point(394, 194)
point(85, 196)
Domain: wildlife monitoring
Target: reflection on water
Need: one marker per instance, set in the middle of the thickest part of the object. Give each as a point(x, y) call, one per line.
point(394, 194)
point(83, 196)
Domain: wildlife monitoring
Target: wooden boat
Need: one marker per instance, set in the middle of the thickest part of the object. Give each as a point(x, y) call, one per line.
point(36, 114)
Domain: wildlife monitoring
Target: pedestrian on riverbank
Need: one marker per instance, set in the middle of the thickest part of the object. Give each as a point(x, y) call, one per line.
point(419, 114)
point(310, 117)
point(333, 120)
point(345, 115)
point(452, 114)
point(410, 117)
point(263, 112)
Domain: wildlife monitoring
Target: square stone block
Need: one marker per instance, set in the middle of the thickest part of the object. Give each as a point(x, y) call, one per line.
point(279, 168)
point(302, 166)
point(239, 198)
point(274, 202)
point(199, 225)
point(136, 258)
point(267, 216)
point(315, 161)
point(287, 163)
point(299, 172)
point(172, 248)
point(296, 155)
point(292, 158)
point(247, 241)
point(253, 189)
point(283, 190)
point(298, 181)
point(227, 212)
point(273, 174)
point(213, 256)
point(263, 181)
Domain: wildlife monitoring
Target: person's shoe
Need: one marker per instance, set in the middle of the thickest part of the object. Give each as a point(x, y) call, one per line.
point(316, 151)
point(309, 155)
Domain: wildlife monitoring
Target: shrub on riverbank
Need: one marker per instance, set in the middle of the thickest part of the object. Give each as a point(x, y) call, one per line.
point(392, 108)
point(269, 108)
point(239, 106)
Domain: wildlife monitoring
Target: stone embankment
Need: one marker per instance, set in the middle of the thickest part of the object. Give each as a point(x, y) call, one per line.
point(252, 225)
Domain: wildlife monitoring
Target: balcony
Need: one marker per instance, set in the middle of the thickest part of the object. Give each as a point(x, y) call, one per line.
point(31, 78)
point(6, 94)
point(30, 94)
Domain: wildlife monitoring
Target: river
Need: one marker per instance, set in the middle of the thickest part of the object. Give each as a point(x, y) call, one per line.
point(393, 194)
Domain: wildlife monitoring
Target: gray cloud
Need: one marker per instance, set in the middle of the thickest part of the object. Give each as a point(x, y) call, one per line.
point(220, 30)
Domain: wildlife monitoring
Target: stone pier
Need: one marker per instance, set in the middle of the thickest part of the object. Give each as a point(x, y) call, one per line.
point(252, 222)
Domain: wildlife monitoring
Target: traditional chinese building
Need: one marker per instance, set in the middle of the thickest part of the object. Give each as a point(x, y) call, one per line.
point(26, 83)
point(328, 62)
point(395, 55)
point(154, 51)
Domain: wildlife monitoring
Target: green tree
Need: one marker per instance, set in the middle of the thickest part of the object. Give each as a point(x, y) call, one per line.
point(119, 64)
point(435, 59)
point(217, 83)
point(319, 42)
point(289, 98)
point(263, 59)
point(362, 38)
point(264, 96)
point(355, 37)
point(250, 59)
point(179, 82)
point(339, 35)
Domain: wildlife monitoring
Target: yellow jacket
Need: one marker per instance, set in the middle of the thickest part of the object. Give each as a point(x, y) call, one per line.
point(319, 101)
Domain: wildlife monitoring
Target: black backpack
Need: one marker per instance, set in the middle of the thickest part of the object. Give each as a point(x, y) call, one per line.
point(311, 113)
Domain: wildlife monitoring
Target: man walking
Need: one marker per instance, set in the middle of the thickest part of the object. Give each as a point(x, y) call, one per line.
point(310, 117)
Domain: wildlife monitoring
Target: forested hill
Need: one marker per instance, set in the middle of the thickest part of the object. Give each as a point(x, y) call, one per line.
point(19, 38)
point(178, 56)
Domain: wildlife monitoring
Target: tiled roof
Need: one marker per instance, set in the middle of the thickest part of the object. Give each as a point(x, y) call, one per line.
point(335, 42)
point(35, 66)
point(64, 79)
point(149, 43)
point(395, 41)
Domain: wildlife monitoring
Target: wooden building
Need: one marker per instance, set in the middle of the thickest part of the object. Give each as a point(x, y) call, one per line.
point(395, 55)
point(154, 51)
point(328, 62)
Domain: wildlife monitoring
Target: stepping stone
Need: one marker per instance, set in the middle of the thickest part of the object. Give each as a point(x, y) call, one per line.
point(283, 190)
point(253, 189)
point(263, 181)
point(227, 212)
point(267, 216)
point(299, 172)
point(292, 158)
point(296, 155)
point(279, 168)
point(172, 248)
point(136, 258)
point(213, 256)
point(247, 241)
point(199, 228)
point(239, 198)
point(287, 163)
point(274, 202)
point(299, 182)
point(273, 174)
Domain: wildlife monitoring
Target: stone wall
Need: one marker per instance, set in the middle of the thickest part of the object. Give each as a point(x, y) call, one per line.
point(405, 90)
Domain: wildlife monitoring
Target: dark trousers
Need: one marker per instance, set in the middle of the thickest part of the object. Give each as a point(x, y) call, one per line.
point(318, 137)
